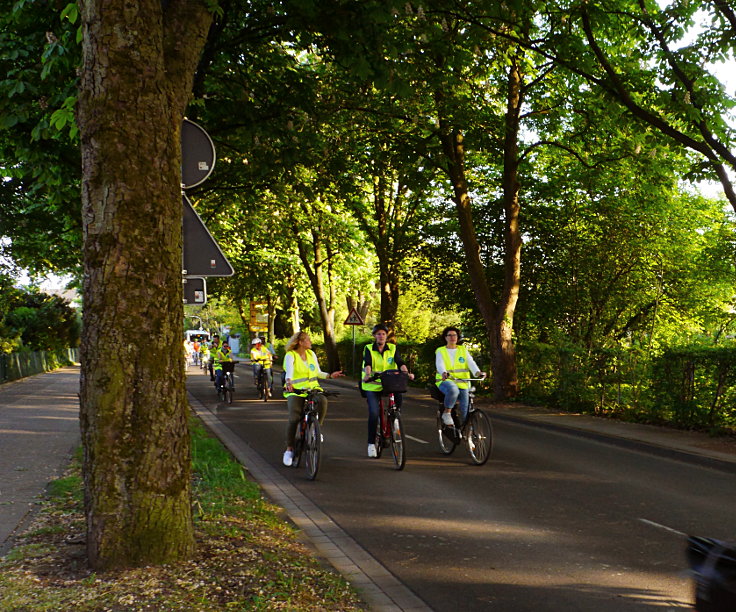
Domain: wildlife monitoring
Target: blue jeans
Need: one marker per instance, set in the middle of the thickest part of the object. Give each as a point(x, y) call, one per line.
point(269, 374)
point(219, 378)
point(454, 394)
point(373, 397)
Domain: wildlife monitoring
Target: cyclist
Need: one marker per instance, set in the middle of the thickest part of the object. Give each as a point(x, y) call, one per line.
point(261, 358)
point(379, 356)
point(302, 372)
point(454, 360)
point(214, 347)
point(222, 354)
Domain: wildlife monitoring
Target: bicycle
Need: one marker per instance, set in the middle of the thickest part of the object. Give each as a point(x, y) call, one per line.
point(390, 430)
point(308, 435)
point(476, 430)
point(262, 380)
point(225, 390)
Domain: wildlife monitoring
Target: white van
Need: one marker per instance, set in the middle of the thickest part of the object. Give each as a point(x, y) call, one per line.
point(197, 334)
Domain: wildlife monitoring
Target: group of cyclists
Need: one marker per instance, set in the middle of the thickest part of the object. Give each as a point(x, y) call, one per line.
point(453, 363)
point(302, 372)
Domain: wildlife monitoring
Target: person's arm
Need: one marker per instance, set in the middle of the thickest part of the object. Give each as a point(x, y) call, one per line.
point(439, 363)
point(321, 374)
point(368, 361)
point(288, 371)
point(402, 364)
point(473, 367)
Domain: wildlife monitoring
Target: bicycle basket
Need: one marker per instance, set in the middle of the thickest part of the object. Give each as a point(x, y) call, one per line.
point(228, 366)
point(394, 381)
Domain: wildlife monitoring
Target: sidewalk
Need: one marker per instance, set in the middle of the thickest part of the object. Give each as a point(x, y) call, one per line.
point(694, 446)
point(39, 429)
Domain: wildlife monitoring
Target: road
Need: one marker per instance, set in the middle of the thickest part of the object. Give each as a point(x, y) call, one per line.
point(553, 522)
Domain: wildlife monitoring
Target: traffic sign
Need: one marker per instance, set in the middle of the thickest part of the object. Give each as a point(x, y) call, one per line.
point(197, 154)
point(201, 255)
point(353, 318)
point(195, 290)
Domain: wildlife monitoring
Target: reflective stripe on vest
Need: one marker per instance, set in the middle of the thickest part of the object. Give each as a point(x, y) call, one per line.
point(305, 374)
point(380, 363)
point(458, 368)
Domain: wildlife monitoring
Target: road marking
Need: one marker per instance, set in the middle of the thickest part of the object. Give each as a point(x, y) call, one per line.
point(653, 524)
point(416, 439)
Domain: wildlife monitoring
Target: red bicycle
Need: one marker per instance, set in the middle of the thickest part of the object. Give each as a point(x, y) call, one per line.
point(390, 431)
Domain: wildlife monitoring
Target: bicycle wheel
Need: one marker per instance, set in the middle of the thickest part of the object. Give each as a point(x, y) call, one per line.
point(312, 448)
point(479, 437)
point(447, 437)
point(379, 437)
point(397, 441)
point(266, 391)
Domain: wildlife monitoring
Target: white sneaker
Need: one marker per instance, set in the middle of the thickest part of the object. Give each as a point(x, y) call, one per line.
point(372, 450)
point(288, 457)
point(447, 419)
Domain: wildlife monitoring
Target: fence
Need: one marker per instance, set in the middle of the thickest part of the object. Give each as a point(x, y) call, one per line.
point(20, 365)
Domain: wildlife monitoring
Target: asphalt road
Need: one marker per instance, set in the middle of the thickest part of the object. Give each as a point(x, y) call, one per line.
point(553, 521)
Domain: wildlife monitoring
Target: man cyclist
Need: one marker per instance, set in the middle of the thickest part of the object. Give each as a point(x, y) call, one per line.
point(222, 355)
point(214, 347)
point(262, 359)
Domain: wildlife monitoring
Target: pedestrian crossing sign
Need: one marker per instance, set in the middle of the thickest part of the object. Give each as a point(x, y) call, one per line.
point(353, 318)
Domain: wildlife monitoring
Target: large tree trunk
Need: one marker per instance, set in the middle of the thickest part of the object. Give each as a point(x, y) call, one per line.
point(139, 60)
point(497, 316)
point(505, 357)
point(316, 278)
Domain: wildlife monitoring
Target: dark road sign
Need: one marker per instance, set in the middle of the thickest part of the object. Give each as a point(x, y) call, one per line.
point(201, 254)
point(197, 155)
point(195, 291)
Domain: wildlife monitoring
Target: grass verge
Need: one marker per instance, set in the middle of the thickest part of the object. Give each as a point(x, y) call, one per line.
point(248, 557)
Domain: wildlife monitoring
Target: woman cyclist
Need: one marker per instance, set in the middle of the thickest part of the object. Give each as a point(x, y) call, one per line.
point(301, 370)
point(379, 356)
point(454, 360)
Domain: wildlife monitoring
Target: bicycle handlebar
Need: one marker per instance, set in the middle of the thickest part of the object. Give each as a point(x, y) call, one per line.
point(323, 392)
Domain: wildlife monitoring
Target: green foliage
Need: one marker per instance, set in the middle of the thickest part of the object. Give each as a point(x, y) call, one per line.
point(695, 387)
point(35, 321)
point(39, 155)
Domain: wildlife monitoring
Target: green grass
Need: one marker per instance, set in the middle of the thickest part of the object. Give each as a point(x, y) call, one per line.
point(248, 557)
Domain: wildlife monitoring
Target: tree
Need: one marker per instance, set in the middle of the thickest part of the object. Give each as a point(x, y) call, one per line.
point(138, 65)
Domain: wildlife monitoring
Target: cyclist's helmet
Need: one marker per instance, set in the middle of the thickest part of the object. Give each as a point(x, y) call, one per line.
point(256, 341)
point(379, 327)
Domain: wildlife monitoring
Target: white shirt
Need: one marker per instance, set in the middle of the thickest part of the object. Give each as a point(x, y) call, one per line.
point(439, 363)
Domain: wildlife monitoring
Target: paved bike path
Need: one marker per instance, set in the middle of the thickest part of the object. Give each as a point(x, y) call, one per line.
point(39, 430)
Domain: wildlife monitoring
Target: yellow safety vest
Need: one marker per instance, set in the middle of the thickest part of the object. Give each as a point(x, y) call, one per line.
point(221, 356)
point(458, 368)
point(263, 354)
point(305, 375)
point(380, 363)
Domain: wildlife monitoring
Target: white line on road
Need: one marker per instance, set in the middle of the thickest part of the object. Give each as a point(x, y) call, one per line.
point(417, 440)
point(653, 524)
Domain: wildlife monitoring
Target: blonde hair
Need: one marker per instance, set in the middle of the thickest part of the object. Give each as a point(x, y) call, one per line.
point(293, 342)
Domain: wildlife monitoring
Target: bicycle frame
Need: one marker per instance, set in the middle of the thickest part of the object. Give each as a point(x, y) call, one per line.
point(308, 435)
point(389, 430)
point(476, 429)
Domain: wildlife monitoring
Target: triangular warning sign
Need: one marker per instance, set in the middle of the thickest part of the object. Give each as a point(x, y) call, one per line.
point(201, 254)
point(353, 318)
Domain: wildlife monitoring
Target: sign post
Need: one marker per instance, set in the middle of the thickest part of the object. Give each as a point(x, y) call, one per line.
point(354, 319)
point(201, 255)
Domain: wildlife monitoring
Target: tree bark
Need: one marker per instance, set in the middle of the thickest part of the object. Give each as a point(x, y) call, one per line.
point(139, 61)
point(497, 316)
